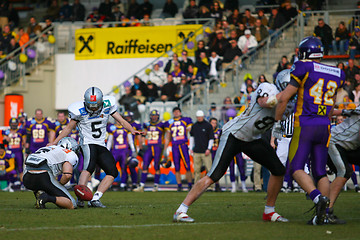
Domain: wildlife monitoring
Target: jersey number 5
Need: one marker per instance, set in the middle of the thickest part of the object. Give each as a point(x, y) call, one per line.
point(96, 131)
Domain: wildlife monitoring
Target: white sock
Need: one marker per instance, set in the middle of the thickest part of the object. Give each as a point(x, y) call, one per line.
point(97, 196)
point(183, 208)
point(123, 185)
point(142, 184)
point(243, 185)
point(285, 184)
point(233, 185)
point(269, 209)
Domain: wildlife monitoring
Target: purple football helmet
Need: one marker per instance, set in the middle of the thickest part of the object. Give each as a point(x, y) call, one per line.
point(311, 47)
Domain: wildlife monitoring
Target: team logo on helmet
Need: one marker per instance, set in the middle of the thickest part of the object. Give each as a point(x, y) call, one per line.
point(93, 98)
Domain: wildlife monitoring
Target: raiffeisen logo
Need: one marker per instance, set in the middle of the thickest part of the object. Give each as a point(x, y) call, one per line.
point(133, 46)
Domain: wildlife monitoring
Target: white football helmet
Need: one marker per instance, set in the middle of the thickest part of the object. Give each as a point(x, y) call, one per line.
point(93, 100)
point(282, 79)
point(69, 143)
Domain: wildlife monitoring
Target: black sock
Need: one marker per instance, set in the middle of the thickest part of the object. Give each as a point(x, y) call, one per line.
point(51, 199)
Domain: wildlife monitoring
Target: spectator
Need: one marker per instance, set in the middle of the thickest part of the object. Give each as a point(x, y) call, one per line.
point(288, 11)
point(233, 36)
point(185, 61)
point(13, 45)
point(341, 37)
point(324, 32)
point(214, 112)
point(235, 18)
point(128, 101)
point(241, 30)
point(177, 73)
point(133, 9)
point(216, 11)
point(105, 9)
point(295, 56)
point(49, 28)
point(171, 63)
point(145, 8)
point(204, 13)
point(183, 88)
point(33, 28)
point(354, 43)
point(7, 35)
point(224, 110)
point(4, 6)
point(215, 65)
point(53, 11)
point(206, 3)
point(200, 48)
point(261, 79)
point(351, 71)
point(218, 44)
point(355, 94)
point(282, 65)
point(152, 91)
point(276, 21)
point(240, 100)
point(203, 66)
point(247, 42)
point(248, 80)
point(226, 27)
point(191, 11)
point(170, 9)
point(117, 14)
point(65, 11)
point(341, 66)
point(232, 53)
point(95, 17)
point(23, 37)
point(262, 17)
point(140, 98)
point(13, 16)
point(168, 91)
point(259, 31)
point(194, 76)
point(78, 13)
point(157, 76)
point(247, 19)
point(201, 141)
point(139, 84)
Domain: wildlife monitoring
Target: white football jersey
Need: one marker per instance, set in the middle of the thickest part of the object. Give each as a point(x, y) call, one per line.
point(255, 120)
point(346, 134)
point(55, 157)
point(92, 129)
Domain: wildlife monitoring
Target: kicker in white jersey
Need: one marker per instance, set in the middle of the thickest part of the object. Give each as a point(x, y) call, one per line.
point(92, 129)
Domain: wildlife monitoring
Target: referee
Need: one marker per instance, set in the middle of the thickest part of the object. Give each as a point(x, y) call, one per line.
point(201, 141)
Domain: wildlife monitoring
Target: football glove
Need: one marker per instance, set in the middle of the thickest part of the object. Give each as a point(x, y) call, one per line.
point(277, 130)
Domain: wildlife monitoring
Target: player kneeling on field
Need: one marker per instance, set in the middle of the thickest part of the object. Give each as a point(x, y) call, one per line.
point(44, 166)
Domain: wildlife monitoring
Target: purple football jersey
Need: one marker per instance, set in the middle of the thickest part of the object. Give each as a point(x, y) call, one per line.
point(59, 126)
point(120, 136)
point(154, 133)
point(15, 143)
point(39, 132)
point(217, 133)
point(318, 83)
point(178, 129)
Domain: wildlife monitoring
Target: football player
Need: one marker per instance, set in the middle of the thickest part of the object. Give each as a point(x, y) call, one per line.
point(42, 169)
point(91, 117)
point(7, 168)
point(344, 149)
point(119, 141)
point(176, 132)
point(240, 163)
point(40, 131)
point(243, 134)
point(60, 123)
point(15, 138)
point(217, 134)
point(154, 131)
point(316, 85)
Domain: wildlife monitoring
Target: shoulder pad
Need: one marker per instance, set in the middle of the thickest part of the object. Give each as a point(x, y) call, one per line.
point(266, 90)
point(137, 122)
point(109, 101)
point(171, 121)
point(112, 128)
point(6, 132)
point(77, 109)
point(147, 124)
point(32, 121)
point(57, 123)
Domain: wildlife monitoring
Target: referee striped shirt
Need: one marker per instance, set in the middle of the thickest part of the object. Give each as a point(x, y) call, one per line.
point(288, 126)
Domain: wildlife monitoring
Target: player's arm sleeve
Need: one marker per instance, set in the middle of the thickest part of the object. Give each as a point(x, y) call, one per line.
point(113, 106)
point(11, 167)
point(131, 142)
point(298, 73)
point(110, 141)
point(191, 143)
point(210, 144)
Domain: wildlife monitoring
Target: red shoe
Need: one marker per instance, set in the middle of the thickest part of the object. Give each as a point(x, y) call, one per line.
point(274, 217)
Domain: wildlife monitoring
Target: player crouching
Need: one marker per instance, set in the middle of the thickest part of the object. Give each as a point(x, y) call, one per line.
point(42, 169)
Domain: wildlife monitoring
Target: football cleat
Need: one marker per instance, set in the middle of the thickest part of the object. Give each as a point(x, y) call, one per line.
point(296, 189)
point(274, 217)
point(321, 209)
point(139, 189)
point(357, 189)
point(41, 201)
point(96, 204)
point(182, 217)
point(244, 189)
point(156, 188)
point(179, 189)
point(332, 219)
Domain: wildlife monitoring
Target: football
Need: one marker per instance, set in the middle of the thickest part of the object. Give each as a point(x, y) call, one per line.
point(83, 192)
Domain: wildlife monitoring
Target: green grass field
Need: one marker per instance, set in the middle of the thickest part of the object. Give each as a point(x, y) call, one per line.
point(149, 216)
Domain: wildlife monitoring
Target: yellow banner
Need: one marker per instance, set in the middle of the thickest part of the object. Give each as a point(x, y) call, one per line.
point(133, 42)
